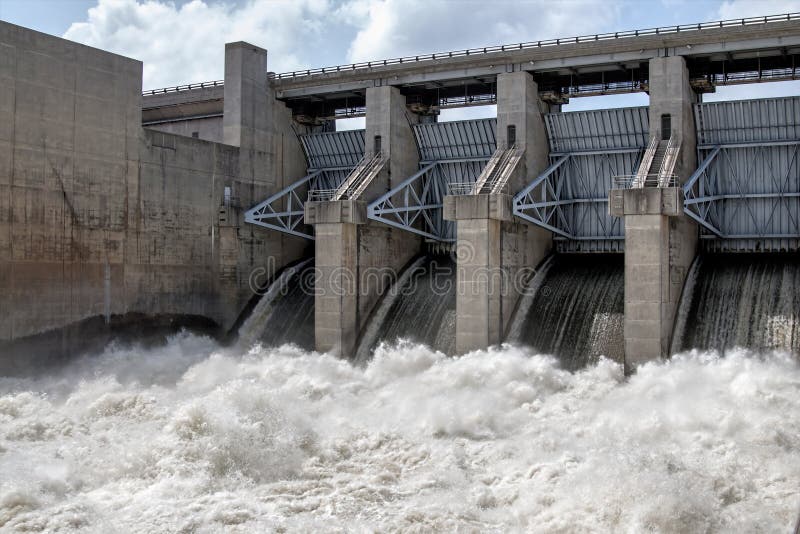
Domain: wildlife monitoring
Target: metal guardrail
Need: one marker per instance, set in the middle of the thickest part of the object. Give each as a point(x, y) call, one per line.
point(635, 181)
point(663, 30)
point(460, 188)
point(187, 87)
point(321, 195)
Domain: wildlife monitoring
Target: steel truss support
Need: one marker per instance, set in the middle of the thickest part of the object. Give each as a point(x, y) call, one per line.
point(284, 211)
point(570, 197)
point(416, 205)
point(746, 191)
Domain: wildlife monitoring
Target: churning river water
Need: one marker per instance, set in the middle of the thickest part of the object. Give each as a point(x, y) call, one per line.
point(191, 437)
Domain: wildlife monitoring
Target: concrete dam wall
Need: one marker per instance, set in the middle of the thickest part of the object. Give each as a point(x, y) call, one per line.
point(101, 219)
point(107, 225)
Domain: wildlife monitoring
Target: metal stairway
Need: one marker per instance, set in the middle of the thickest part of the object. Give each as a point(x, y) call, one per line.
point(658, 165)
point(358, 180)
point(666, 172)
point(495, 175)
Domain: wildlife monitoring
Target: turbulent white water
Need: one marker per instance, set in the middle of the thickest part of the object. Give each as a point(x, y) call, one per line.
point(189, 438)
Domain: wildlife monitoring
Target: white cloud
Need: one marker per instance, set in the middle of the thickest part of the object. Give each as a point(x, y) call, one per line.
point(186, 43)
point(183, 43)
point(406, 27)
point(735, 9)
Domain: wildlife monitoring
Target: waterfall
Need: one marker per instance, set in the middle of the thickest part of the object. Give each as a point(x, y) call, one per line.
point(742, 300)
point(420, 308)
point(285, 314)
point(372, 331)
point(574, 309)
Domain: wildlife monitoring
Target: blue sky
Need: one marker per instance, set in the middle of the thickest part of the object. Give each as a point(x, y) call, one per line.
point(182, 41)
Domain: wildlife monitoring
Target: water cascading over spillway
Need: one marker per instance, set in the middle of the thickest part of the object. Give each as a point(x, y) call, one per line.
point(421, 307)
point(741, 300)
point(285, 314)
point(574, 309)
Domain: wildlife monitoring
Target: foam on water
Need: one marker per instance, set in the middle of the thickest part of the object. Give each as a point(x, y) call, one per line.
point(191, 438)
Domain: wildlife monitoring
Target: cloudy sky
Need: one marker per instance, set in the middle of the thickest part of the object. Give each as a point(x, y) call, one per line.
point(182, 41)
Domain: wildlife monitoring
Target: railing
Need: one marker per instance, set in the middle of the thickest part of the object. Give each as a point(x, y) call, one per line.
point(360, 178)
point(665, 30)
point(321, 195)
point(487, 171)
point(187, 87)
point(460, 188)
point(644, 166)
point(499, 180)
point(495, 175)
point(638, 181)
point(668, 163)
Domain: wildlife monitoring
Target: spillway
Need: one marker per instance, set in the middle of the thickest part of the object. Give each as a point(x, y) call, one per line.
point(741, 300)
point(574, 309)
point(420, 308)
point(285, 314)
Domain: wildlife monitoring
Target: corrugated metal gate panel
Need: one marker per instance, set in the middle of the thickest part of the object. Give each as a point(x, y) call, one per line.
point(333, 149)
point(748, 121)
point(456, 140)
point(602, 144)
point(581, 131)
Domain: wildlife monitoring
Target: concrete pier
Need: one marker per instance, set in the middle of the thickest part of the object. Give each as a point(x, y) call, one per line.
point(336, 303)
point(358, 260)
point(660, 242)
point(494, 250)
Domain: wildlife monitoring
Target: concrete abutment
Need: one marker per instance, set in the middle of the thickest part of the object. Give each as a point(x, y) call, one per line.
point(660, 241)
point(359, 259)
point(495, 252)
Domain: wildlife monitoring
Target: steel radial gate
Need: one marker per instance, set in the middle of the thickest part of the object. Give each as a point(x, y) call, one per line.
point(745, 193)
point(331, 157)
point(570, 198)
point(450, 153)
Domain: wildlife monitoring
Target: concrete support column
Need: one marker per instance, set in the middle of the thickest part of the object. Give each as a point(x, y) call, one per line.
point(336, 317)
point(245, 120)
point(270, 158)
point(389, 119)
point(495, 253)
point(672, 95)
point(660, 241)
point(520, 112)
point(660, 245)
point(496, 256)
point(357, 259)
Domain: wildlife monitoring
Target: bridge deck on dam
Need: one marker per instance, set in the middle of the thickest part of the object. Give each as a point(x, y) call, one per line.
point(717, 52)
point(747, 50)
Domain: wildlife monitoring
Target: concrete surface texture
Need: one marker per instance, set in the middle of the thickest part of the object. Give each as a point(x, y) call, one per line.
point(357, 259)
point(99, 217)
point(495, 256)
point(660, 242)
point(672, 95)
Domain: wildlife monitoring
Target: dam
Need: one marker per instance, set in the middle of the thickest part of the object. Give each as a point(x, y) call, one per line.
point(222, 312)
point(155, 208)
